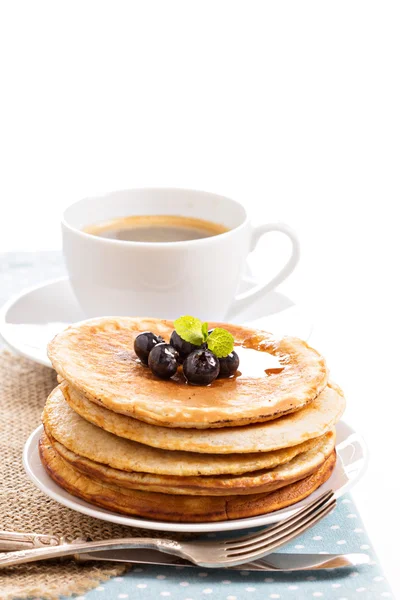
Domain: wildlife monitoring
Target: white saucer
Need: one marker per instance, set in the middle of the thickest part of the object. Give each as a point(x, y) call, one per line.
point(350, 465)
point(31, 319)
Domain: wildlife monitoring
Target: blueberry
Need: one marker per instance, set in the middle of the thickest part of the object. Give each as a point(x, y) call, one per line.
point(201, 367)
point(144, 343)
point(163, 360)
point(184, 348)
point(228, 365)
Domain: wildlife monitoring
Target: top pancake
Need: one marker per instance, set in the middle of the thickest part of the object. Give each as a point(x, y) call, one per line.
point(97, 358)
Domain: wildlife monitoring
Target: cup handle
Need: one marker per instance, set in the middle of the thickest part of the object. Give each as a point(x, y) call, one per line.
point(243, 300)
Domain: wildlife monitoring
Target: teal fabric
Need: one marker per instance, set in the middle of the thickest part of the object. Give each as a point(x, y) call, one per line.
point(340, 532)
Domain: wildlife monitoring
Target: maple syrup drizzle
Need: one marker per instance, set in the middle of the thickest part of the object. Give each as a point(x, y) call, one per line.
point(256, 363)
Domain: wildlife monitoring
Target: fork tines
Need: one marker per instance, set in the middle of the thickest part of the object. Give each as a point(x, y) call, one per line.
point(254, 546)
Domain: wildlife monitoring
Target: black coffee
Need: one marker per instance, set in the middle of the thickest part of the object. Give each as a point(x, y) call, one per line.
point(156, 228)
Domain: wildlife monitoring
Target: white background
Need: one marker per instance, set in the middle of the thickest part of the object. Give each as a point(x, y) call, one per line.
point(292, 108)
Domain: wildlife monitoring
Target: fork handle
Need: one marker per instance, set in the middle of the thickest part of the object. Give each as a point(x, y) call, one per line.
point(14, 540)
point(24, 556)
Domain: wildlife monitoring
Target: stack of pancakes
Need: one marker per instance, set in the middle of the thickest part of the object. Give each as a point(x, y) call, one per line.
point(119, 437)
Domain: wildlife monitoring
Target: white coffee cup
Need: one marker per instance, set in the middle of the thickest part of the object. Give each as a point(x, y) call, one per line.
point(150, 279)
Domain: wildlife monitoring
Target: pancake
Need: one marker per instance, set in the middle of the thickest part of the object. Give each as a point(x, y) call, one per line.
point(312, 421)
point(81, 437)
point(265, 480)
point(97, 358)
point(175, 508)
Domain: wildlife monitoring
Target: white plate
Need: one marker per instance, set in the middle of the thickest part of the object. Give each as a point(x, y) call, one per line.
point(31, 319)
point(351, 463)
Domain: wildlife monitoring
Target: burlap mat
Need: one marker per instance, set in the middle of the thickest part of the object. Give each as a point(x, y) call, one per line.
point(24, 387)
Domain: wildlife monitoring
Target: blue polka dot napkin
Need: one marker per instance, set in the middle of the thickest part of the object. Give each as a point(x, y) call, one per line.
point(341, 532)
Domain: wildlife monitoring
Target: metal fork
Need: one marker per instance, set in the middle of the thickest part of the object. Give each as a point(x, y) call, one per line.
point(221, 553)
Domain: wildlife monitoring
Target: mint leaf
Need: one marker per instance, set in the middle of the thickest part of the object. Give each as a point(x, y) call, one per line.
point(204, 329)
point(220, 342)
point(189, 329)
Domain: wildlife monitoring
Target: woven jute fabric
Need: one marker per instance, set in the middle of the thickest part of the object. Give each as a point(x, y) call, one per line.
point(24, 387)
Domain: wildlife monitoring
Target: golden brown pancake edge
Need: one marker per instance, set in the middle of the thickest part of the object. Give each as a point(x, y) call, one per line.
point(264, 480)
point(79, 435)
point(174, 508)
point(288, 431)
